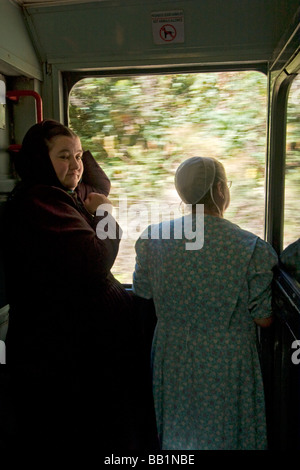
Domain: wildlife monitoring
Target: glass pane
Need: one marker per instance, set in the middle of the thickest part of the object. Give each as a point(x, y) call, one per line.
point(292, 168)
point(141, 128)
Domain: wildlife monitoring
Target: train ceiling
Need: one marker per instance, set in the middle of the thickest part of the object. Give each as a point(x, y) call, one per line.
point(119, 33)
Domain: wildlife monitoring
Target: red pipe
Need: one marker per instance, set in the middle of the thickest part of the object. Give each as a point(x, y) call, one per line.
point(15, 94)
point(14, 147)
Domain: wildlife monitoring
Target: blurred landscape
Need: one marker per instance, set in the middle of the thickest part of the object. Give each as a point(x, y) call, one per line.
point(140, 128)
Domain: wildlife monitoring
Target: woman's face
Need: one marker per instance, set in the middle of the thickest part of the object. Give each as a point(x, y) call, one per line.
point(66, 157)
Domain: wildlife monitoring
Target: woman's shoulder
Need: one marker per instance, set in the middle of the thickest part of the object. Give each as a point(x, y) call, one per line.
point(291, 251)
point(227, 228)
point(41, 192)
point(27, 198)
point(290, 257)
point(43, 189)
point(235, 233)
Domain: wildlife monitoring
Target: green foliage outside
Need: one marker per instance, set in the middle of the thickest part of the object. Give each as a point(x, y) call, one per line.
point(141, 128)
point(292, 177)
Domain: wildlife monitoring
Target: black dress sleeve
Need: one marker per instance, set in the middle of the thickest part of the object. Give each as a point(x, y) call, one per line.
point(94, 179)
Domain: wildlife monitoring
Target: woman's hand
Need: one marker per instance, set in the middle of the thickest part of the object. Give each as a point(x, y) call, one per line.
point(94, 200)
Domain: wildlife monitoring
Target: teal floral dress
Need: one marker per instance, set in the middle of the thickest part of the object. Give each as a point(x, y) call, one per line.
point(290, 257)
point(207, 382)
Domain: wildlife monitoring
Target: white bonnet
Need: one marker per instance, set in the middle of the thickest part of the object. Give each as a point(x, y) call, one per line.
point(194, 178)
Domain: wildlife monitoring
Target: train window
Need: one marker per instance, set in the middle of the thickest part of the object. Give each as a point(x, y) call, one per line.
point(141, 127)
point(292, 169)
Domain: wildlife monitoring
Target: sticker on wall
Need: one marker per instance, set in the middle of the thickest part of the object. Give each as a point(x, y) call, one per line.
point(168, 27)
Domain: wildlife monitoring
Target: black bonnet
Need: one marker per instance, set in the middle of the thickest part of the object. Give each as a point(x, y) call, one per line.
point(32, 162)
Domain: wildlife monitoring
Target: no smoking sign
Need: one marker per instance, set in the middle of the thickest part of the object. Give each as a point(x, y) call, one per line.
point(168, 27)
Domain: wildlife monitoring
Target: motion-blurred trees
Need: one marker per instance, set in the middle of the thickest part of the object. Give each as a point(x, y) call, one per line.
point(151, 119)
point(143, 109)
point(141, 127)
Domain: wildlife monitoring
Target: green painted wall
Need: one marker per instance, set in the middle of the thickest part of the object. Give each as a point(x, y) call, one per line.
point(17, 54)
point(120, 33)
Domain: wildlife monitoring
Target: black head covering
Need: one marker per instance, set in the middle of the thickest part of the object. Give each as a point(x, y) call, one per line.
point(32, 162)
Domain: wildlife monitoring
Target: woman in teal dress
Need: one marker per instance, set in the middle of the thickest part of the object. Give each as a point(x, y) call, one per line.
point(207, 381)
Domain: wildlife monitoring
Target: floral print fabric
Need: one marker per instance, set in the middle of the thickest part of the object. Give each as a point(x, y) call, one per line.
point(290, 257)
point(207, 382)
